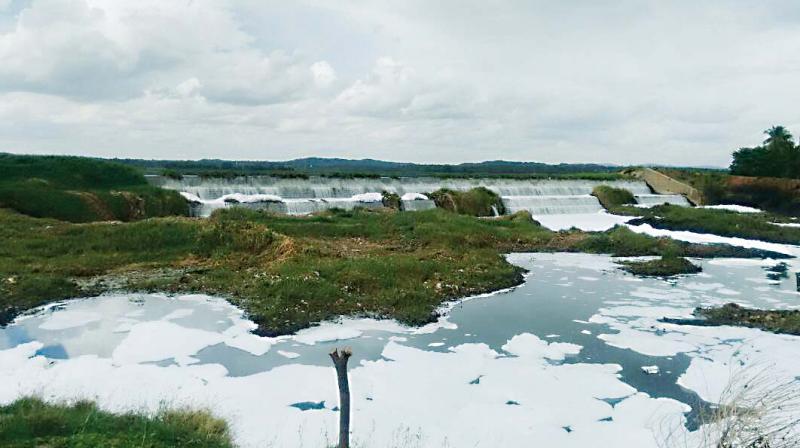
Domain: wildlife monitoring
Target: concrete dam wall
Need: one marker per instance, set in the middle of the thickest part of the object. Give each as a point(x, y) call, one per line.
point(304, 196)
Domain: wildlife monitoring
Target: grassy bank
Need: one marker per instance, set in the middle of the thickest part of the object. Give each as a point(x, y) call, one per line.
point(289, 272)
point(78, 189)
point(666, 266)
point(32, 423)
point(719, 222)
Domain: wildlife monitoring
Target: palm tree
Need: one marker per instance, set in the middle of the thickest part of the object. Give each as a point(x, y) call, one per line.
point(778, 134)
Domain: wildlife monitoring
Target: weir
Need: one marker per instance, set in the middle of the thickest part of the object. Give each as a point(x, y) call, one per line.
point(658, 199)
point(298, 196)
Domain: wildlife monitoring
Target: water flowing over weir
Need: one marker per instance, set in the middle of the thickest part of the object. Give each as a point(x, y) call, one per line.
point(650, 200)
point(304, 196)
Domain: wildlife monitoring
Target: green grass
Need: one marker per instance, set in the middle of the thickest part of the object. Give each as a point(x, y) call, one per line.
point(79, 189)
point(478, 201)
point(289, 272)
point(611, 197)
point(666, 266)
point(719, 222)
point(69, 172)
point(29, 423)
point(776, 321)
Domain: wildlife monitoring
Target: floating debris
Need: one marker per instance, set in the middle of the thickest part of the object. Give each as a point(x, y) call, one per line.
point(650, 370)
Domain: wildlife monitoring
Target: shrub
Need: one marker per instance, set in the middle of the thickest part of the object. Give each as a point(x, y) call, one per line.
point(391, 200)
point(478, 201)
point(233, 232)
point(171, 174)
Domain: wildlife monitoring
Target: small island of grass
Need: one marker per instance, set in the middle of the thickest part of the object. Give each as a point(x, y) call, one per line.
point(775, 321)
point(611, 198)
point(666, 266)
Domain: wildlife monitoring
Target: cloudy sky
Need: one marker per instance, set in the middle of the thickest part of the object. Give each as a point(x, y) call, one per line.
point(677, 82)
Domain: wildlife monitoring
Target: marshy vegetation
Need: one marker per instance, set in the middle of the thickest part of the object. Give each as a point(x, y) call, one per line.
point(78, 189)
point(776, 321)
point(288, 272)
point(30, 422)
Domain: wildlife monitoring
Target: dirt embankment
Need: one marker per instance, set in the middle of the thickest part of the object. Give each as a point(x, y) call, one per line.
point(768, 193)
point(772, 194)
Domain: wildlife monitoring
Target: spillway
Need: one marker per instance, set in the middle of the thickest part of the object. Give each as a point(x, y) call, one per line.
point(416, 205)
point(650, 200)
point(552, 204)
point(298, 196)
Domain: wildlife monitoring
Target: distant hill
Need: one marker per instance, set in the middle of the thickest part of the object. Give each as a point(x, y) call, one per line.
point(333, 166)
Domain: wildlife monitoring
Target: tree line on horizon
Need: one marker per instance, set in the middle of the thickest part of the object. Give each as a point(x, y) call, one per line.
point(778, 156)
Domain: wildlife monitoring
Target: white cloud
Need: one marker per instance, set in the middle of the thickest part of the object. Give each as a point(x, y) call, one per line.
point(621, 82)
point(189, 87)
point(323, 74)
point(98, 49)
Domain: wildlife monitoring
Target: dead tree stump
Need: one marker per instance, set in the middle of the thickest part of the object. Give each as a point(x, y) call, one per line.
point(340, 358)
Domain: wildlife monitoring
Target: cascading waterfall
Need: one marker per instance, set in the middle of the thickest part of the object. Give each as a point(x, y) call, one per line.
point(553, 205)
point(297, 196)
point(416, 205)
point(650, 200)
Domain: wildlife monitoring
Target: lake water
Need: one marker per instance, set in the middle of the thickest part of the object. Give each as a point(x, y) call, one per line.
point(559, 358)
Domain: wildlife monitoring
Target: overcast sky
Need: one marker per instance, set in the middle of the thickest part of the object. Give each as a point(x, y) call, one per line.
point(674, 82)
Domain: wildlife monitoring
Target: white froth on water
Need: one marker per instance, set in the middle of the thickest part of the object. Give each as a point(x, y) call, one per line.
point(159, 340)
point(414, 197)
point(733, 208)
point(787, 224)
point(422, 386)
point(590, 222)
point(69, 319)
point(345, 328)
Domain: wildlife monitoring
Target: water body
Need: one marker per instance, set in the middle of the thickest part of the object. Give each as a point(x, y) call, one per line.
point(573, 312)
point(303, 196)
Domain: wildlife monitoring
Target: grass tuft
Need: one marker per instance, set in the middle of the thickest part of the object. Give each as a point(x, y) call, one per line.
point(611, 197)
point(30, 422)
point(478, 201)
